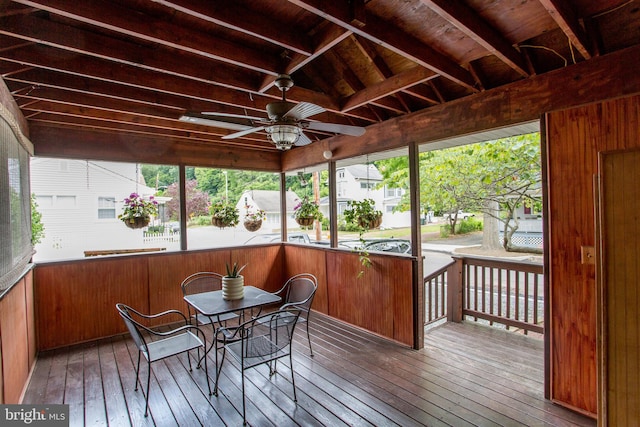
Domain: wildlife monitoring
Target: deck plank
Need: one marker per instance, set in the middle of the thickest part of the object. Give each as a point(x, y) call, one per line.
point(467, 375)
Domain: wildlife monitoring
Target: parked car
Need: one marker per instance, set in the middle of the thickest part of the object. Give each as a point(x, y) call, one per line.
point(388, 245)
point(461, 215)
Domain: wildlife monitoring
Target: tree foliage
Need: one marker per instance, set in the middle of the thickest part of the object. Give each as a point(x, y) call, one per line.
point(505, 171)
point(197, 201)
point(37, 227)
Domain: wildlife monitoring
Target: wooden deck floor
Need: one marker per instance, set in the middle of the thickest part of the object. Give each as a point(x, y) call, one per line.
point(467, 375)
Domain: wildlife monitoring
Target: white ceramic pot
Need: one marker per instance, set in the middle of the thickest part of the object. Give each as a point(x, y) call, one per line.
point(233, 288)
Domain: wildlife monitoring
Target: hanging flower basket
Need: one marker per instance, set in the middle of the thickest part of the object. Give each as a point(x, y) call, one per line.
point(305, 221)
point(221, 222)
point(137, 222)
point(370, 224)
point(363, 213)
point(253, 225)
point(137, 211)
point(253, 219)
point(306, 212)
point(224, 215)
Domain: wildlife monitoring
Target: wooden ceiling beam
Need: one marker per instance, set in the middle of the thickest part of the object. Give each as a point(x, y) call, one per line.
point(125, 21)
point(90, 123)
point(389, 86)
point(167, 61)
point(567, 20)
point(237, 18)
point(392, 38)
point(74, 143)
point(100, 69)
point(38, 78)
point(479, 30)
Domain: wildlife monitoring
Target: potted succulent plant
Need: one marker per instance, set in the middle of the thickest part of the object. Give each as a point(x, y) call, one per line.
point(363, 213)
point(137, 211)
point(253, 220)
point(224, 215)
point(233, 282)
point(306, 212)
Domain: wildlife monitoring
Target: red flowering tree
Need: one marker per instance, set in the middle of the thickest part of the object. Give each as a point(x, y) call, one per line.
point(197, 201)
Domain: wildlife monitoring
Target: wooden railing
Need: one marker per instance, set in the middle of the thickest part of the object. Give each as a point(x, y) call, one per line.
point(435, 292)
point(498, 291)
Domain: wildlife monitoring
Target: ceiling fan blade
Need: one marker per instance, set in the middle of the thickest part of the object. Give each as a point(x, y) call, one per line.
point(237, 116)
point(335, 128)
point(303, 110)
point(225, 124)
point(302, 140)
point(243, 132)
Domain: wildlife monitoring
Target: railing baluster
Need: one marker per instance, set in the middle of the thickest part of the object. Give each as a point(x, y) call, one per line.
point(526, 299)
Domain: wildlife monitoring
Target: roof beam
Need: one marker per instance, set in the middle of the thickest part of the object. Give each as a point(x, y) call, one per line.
point(567, 20)
point(125, 21)
point(179, 64)
point(389, 36)
point(472, 25)
point(229, 15)
point(388, 87)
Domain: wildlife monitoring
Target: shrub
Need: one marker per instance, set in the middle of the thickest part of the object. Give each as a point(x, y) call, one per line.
point(469, 225)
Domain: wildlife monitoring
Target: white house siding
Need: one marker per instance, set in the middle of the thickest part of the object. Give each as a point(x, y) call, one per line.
point(350, 180)
point(67, 192)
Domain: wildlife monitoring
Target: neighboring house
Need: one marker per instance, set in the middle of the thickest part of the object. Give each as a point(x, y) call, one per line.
point(269, 202)
point(358, 182)
point(80, 202)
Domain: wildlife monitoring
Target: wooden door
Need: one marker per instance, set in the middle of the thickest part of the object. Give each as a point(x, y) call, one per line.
point(618, 289)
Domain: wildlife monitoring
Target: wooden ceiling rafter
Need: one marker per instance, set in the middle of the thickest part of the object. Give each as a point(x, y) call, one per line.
point(567, 20)
point(233, 17)
point(473, 26)
point(391, 38)
point(101, 15)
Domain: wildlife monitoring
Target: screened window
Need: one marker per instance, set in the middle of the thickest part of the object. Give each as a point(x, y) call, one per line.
point(15, 211)
point(80, 201)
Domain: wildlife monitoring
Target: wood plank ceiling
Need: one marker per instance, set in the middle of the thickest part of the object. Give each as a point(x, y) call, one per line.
point(133, 67)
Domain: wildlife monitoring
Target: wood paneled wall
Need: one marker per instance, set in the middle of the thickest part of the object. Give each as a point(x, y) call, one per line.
point(75, 301)
point(17, 338)
point(574, 139)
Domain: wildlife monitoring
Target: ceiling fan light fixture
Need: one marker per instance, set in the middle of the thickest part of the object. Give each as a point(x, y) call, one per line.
point(283, 136)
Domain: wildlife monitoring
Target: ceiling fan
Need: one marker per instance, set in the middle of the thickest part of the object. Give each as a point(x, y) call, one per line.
point(285, 122)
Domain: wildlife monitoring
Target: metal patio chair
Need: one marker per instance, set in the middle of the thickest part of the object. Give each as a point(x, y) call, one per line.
point(155, 345)
point(299, 291)
point(205, 281)
point(261, 340)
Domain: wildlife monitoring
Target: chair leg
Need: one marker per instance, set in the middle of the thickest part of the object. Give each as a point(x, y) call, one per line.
point(218, 368)
point(293, 380)
point(244, 414)
point(309, 337)
point(206, 371)
point(146, 405)
point(137, 372)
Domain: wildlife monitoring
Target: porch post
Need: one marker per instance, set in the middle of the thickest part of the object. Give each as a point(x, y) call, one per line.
point(454, 290)
point(416, 247)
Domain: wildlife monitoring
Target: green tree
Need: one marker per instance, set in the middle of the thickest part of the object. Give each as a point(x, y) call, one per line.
point(503, 173)
point(510, 177)
point(197, 201)
point(37, 227)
